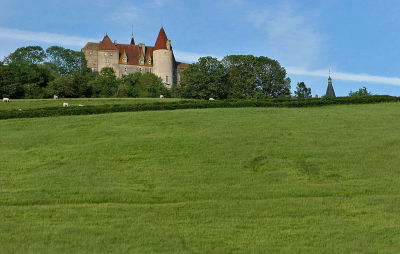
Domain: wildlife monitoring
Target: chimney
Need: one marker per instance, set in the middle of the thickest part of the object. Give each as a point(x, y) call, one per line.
point(115, 42)
point(169, 44)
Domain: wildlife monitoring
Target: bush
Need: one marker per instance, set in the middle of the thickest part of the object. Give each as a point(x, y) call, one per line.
point(361, 92)
point(195, 104)
point(150, 86)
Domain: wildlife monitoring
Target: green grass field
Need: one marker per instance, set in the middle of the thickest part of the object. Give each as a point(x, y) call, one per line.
point(246, 180)
point(74, 102)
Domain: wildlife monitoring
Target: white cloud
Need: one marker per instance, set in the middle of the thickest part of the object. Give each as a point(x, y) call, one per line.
point(345, 76)
point(44, 37)
point(190, 57)
point(290, 37)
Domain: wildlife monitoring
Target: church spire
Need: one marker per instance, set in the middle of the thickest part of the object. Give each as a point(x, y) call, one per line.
point(330, 91)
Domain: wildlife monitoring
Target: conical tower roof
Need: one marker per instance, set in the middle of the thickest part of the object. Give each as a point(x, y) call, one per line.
point(162, 39)
point(107, 44)
point(132, 41)
point(329, 90)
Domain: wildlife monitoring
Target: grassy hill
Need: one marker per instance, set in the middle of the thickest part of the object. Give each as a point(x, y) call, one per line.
point(246, 180)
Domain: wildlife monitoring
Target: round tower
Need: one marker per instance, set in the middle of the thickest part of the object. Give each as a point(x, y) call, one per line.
point(163, 59)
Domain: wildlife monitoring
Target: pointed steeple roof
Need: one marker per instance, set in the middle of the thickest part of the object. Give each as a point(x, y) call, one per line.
point(107, 44)
point(132, 41)
point(162, 39)
point(329, 90)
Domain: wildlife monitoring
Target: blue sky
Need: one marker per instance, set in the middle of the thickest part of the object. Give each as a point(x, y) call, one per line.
point(357, 39)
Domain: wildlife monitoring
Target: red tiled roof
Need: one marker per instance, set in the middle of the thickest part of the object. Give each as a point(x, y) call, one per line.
point(162, 39)
point(181, 65)
point(91, 46)
point(133, 53)
point(107, 44)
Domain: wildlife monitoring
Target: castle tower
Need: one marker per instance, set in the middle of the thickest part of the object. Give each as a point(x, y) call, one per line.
point(330, 91)
point(108, 55)
point(163, 59)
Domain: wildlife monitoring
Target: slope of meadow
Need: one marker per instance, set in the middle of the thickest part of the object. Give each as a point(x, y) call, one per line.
point(247, 180)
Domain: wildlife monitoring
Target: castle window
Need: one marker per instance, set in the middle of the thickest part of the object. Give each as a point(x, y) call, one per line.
point(105, 54)
point(126, 70)
point(166, 79)
point(149, 60)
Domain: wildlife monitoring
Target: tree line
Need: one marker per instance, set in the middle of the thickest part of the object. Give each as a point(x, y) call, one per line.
point(32, 72)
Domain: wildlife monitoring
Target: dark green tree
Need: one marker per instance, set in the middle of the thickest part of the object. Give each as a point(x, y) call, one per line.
point(126, 87)
point(302, 91)
point(66, 61)
point(361, 92)
point(70, 86)
point(204, 79)
point(241, 76)
point(271, 78)
point(255, 77)
point(106, 83)
point(150, 85)
point(28, 55)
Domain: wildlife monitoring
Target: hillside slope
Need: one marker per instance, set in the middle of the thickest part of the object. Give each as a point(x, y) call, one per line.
point(247, 180)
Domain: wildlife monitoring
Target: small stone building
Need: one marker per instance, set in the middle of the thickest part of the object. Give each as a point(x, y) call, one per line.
point(130, 58)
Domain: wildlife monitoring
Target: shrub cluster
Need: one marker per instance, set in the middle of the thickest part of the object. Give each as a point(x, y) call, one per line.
point(192, 104)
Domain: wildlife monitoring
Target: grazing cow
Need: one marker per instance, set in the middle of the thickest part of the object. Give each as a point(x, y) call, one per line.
point(55, 97)
point(65, 104)
point(211, 99)
point(161, 96)
point(6, 99)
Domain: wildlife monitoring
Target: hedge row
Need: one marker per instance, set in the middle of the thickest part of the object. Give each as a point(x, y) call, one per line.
point(192, 104)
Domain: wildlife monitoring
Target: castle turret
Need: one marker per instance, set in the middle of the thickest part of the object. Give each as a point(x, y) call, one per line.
point(330, 91)
point(108, 55)
point(163, 59)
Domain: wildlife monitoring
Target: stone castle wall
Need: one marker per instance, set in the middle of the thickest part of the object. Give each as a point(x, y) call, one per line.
point(163, 66)
point(109, 58)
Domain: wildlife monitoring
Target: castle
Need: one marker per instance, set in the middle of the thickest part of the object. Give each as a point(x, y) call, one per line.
point(130, 58)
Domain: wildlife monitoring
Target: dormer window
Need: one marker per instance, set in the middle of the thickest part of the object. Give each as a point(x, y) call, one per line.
point(124, 59)
point(141, 61)
point(149, 60)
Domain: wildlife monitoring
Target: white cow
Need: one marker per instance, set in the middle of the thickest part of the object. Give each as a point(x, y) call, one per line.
point(55, 97)
point(65, 104)
point(161, 96)
point(6, 99)
point(211, 99)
